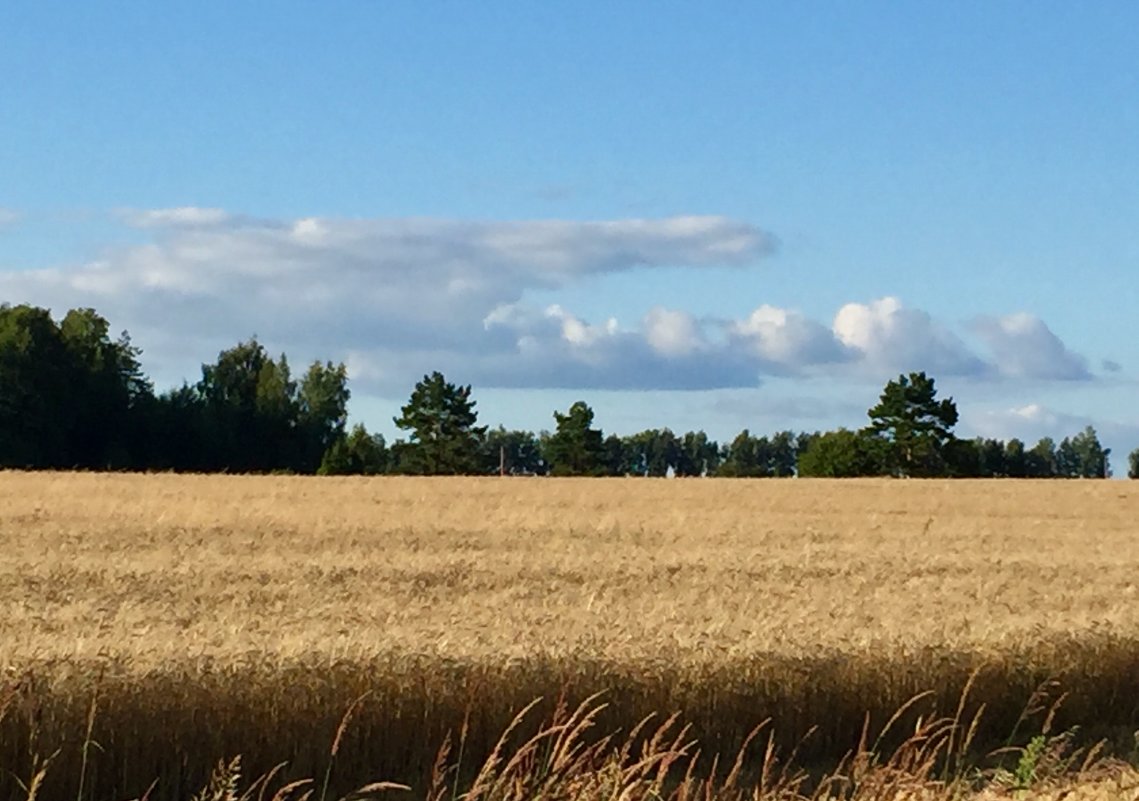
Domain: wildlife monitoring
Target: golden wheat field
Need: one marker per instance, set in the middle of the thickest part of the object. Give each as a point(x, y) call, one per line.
point(155, 624)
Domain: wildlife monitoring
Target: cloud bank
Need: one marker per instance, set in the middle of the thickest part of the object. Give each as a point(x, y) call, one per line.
point(397, 297)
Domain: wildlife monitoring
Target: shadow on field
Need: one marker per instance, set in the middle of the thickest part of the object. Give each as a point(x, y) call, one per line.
point(174, 726)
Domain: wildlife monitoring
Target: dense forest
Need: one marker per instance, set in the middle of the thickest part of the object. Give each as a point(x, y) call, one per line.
point(73, 397)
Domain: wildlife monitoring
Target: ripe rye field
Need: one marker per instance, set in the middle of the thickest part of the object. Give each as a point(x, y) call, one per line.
point(213, 616)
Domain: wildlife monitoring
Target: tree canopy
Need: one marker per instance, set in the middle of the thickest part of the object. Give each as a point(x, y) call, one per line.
point(912, 426)
point(73, 396)
point(839, 454)
point(358, 453)
point(444, 439)
point(575, 448)
point(514, 453)
point(68, 392)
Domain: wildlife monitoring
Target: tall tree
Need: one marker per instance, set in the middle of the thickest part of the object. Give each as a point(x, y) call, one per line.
point(322, 412)
point(110, 390)
point(69, 393)
point(1133, 464)
point(250, 409)
point(444, 439)
point(1016, 459)
point(1041, 461)
point(37, 404)
point(575, 448)
point(913, 425)
point(1082, 456)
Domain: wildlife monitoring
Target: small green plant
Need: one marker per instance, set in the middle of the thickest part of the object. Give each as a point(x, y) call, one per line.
point(1024, 776)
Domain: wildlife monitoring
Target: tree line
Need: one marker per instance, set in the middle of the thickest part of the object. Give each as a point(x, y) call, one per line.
point(71, 396)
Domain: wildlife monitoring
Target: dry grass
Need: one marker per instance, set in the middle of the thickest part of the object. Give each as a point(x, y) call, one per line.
point(222, 615)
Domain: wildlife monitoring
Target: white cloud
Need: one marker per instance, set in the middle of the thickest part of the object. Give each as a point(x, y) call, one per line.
point(1024, 347)
point(555, 348)
point(183, 216)
point(886, 334)
point(577, 332)
point(398, 297)
point(787, 338)
point(673, 333)
point(9, 217)
point(385, 290)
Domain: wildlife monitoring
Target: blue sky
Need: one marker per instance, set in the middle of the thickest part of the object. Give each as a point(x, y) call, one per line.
point(707, 215)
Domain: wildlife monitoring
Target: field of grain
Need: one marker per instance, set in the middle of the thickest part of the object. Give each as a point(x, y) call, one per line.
point(211, 616)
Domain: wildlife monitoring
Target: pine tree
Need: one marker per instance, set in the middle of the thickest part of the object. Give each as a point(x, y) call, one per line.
point(914, 425)
point(444, 439)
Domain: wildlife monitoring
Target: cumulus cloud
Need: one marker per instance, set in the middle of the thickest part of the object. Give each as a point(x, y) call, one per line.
point(1024, 347)
point(397, 297)
point(579, 334)
point(673, 333)
point(885, 333)
point(787, 338)
point(557, 349)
